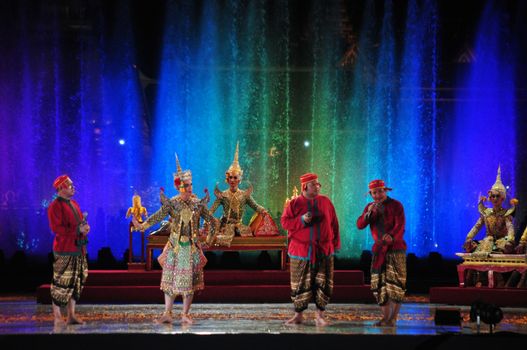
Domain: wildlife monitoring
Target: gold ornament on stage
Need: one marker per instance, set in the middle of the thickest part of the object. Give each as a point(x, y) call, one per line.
point(137, 211)
point(293, 196)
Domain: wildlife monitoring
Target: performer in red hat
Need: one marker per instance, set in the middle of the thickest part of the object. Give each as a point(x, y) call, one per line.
point(385, 216)
point(313, 233)
point(70, 267)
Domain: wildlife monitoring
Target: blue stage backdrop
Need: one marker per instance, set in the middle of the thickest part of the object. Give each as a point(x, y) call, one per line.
point(350, 90)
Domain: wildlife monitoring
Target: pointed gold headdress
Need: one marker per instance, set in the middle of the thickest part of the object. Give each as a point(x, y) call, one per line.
point(235, 169)
point(498, 185)
point(180, 176)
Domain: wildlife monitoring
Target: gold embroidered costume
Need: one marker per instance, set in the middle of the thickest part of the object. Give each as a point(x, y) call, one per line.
point(184, 259)
point(233, 201)
point(499, 236)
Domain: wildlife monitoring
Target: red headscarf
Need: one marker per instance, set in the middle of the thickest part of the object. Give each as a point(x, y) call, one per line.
point(377, 184)
point(60, 181)
point(304, 179)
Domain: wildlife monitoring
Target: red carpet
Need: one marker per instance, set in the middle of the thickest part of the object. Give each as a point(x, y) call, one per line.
point(512, 297)
point(227, 286)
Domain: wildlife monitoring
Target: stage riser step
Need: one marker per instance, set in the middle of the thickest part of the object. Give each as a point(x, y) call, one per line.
point(223, 294)
point(502, 297)
point(212, 277)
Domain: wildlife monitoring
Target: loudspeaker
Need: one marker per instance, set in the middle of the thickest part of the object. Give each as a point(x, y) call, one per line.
point(447, 317)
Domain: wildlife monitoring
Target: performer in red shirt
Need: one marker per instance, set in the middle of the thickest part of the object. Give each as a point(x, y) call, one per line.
point(70, 267)
point(388, 270)
point(313, 233)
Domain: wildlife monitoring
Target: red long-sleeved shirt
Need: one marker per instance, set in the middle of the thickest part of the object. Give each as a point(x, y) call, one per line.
point(65, 216)
point(321, 235)
point(391, 221)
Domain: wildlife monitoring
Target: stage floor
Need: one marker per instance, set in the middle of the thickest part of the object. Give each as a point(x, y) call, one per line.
point(22, 315)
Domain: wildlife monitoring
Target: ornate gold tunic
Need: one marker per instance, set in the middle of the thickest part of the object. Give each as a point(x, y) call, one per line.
point(183, 268)
point(499, 229)
point(233, 209)
point(185, 219)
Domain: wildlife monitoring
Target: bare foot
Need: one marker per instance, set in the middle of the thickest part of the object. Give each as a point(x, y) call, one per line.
point(59, 322)
point(296, 319)
point(381, 323)
point(391, 323)
point(165, 318)
point(321, 321)
point(186, 319)
point(73, 319)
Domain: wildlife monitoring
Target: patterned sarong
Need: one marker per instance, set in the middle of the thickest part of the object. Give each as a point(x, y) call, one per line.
point(308, 281)
point(69, 277)
point(183, 271)
point(390, 282)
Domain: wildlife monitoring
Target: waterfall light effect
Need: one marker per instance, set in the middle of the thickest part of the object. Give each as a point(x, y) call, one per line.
point(483, 130)
point(67, 98)
point(385, 125)
point(268, 74)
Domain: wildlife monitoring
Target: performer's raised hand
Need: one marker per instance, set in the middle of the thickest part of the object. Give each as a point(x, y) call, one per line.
point(372, 212)
point(307, 217)
point(84, 228)
point(372, 208)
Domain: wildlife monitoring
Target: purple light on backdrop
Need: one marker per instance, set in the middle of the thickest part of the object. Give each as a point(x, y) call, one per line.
point(66, 95)
point(482, 134)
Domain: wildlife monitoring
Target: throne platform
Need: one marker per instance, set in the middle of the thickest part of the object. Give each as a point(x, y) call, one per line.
point(508, 295)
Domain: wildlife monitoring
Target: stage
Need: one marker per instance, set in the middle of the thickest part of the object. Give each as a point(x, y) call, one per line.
point(221, 286)
point(26, 323)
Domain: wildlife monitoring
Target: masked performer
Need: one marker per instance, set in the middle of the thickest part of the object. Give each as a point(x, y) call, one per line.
point(385, 216)
point(183, 257)
point(233, 200)
point(70, 266)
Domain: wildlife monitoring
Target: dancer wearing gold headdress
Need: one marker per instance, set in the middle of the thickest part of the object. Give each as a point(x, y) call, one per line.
point(499, 236)
point(234, 201)
point(182, 259)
